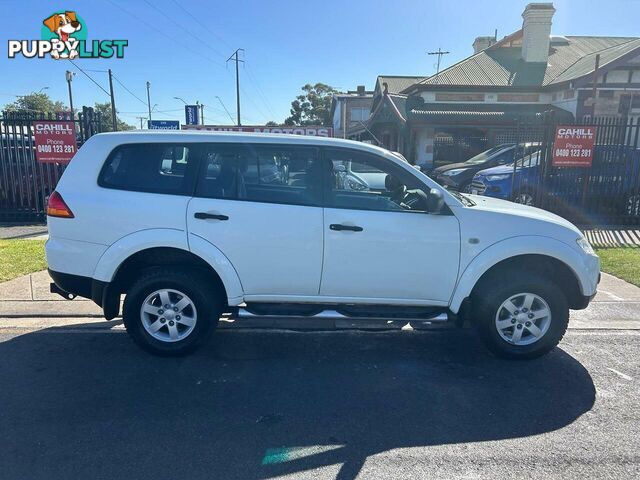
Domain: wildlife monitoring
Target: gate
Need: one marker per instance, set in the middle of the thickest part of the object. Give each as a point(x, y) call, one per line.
point(25, 184)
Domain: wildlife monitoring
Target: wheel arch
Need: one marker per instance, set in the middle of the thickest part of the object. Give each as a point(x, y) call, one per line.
point(151, 247)
point(551, 257)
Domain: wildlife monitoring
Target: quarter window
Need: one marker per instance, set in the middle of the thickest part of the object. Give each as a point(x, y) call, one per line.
point(157, 168)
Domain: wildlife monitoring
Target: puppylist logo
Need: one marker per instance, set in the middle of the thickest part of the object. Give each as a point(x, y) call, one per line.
point(64, 36)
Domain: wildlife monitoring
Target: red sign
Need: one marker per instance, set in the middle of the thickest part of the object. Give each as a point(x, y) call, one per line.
point(573, 146)
point(55, 141)
point(313, 131)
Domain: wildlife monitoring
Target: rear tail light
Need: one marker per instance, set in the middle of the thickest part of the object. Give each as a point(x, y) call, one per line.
point(57, 208)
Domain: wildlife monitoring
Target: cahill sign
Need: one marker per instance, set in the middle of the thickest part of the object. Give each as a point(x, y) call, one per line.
point(64, 36)
point(573, 146)
point(55, 142)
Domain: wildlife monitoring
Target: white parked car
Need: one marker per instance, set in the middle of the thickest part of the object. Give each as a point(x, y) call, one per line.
point(188, 226)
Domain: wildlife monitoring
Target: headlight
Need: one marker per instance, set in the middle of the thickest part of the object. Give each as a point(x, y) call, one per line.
point(584, 244)
point(455, 171)
point(497, 178)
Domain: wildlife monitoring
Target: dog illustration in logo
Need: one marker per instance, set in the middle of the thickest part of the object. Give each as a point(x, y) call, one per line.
point(63, 25)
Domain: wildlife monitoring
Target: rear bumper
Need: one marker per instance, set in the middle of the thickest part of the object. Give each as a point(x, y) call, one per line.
point(86, 287)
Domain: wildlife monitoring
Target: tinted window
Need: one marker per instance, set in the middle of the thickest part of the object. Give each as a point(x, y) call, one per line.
point(366, 182)
point(272, 174)
point(159, 168)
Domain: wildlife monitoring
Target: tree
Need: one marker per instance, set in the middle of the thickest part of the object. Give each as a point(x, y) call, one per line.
point(106, 120)
point(271, 123)
point(35, 102)
point(313, 107)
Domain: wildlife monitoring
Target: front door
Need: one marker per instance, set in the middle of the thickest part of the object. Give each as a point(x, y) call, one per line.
point(380, 243)
point(258, 204)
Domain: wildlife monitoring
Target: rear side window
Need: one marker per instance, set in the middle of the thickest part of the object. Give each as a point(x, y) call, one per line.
point(156, 168)
point(261, 173)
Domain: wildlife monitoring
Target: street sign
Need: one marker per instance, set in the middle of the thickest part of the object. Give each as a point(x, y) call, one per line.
point(312, 131)
point(192, 114)
point(163, 124)
point(573, 146)
point(55, 142)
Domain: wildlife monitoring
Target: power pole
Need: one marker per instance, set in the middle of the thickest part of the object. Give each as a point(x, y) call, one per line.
point(439, 53)
point(113, 103)
point(149, 99)
point(69, 80)
point(202, 114)
point(141, 119)
point(234, 57)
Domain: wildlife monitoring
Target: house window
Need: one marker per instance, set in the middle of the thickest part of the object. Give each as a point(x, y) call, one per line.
point(359, 114)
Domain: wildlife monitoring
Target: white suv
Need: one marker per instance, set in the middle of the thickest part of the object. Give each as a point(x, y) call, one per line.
point(192, 225)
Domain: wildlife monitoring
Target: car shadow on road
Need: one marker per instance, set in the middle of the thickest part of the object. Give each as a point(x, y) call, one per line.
point(256, 404)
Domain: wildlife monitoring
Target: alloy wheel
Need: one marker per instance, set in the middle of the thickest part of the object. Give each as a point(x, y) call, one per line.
point(523, 319)
point(168, 315)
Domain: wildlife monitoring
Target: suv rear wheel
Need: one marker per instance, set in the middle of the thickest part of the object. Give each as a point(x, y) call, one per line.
point(170, 312)
point(521, 318)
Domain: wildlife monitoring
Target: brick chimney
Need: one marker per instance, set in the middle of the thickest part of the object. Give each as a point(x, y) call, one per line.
point(482, 43)
point(536, 29)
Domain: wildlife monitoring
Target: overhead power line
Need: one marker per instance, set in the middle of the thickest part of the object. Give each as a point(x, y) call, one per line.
point(205, 27)
point(130, 92)
point(90, 78)
point(172, 19)
point(164, 34)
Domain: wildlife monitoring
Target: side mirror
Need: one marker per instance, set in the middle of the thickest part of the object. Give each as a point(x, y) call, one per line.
point(435, 201)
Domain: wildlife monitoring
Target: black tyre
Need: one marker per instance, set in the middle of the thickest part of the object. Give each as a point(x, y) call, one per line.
point(170, 311)
point(520, 316)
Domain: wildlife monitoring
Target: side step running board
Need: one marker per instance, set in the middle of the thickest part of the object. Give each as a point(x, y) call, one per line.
point(334, 315)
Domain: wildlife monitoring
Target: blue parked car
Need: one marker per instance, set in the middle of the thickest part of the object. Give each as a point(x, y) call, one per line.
point(614, 181)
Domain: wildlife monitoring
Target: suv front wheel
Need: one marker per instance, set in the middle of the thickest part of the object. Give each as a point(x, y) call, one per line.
point(521, 318)
point(171, 311)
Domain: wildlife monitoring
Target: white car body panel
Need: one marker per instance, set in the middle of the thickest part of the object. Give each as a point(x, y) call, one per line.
point(221, 264)
point(133, 243)
point(276, 249)
point(586, 271)
point(397, 255)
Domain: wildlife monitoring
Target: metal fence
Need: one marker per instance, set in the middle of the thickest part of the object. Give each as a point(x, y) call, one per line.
point(606, 193)
point(26, 184)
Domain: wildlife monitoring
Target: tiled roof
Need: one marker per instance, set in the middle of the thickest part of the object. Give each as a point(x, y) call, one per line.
point(570, 58)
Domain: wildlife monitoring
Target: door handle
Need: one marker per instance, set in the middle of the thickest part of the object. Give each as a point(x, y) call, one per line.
point(209, 216)
point(338, 227)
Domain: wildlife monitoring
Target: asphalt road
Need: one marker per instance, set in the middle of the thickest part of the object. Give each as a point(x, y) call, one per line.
point(86, 403)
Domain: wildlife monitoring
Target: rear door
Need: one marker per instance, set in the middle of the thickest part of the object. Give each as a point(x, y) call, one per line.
point(259, 205)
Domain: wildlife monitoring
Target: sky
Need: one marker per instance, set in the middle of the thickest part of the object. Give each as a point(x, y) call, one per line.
point(181, 47)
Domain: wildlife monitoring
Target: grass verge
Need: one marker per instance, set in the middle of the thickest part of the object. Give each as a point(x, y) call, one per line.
point(21, 256)
point(622, 262)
